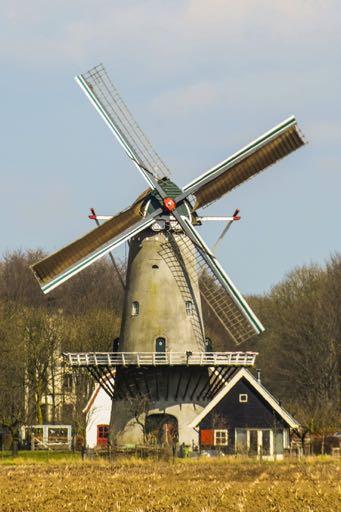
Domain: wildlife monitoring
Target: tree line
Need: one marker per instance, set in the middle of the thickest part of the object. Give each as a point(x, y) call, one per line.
point(299, 353)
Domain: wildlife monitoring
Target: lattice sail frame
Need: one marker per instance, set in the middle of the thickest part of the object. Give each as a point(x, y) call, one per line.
point(179, 265)
point(122, 121)
point(214, 294)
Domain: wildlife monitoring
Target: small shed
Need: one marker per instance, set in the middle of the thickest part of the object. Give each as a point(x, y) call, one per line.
point(47, 437)
point(98, 412)
point(245, 418)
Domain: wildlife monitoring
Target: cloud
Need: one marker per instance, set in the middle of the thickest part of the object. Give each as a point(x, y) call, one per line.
point(203, 77)
point(183, 100)
point(160, 36)
point(253, 93)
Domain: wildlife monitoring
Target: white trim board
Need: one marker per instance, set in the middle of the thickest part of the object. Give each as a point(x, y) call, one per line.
point(244, 373)
point(91, 399)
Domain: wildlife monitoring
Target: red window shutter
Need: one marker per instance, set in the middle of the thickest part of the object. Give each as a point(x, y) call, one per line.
point(207, 437)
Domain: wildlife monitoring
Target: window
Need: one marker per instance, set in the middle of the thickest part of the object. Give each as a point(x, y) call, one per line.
point(155, 267)
point(253, 442)
point(38, 433)
point(220, 437)
point(68, 413)
point(67, 382)
point(258, 441)
point(266, 442)
point(208, 344)
point(57, 435)
point(135, 308)
point(45, 409)
point(189, 307)
point(241, 440)
point(243, 398)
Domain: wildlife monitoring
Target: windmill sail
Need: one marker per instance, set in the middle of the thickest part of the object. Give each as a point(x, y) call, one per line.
point(224, 308)
point(252, 159)
point(218, 299)
point(107, 101)
point(219, 292)
point(181, 262)
point(63, 264)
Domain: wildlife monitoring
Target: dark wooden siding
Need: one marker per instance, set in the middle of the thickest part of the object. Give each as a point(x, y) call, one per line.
point(231, 414)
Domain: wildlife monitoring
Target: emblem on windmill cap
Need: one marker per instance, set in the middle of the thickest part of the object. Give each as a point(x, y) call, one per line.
point(169, 204)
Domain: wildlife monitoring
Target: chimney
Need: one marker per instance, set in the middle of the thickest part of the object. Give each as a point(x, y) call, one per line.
point(258, 376)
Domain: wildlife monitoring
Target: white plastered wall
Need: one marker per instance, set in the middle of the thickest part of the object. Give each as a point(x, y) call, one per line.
point(98, 414)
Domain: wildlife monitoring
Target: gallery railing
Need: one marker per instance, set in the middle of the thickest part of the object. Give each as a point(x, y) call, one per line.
point(161, 358)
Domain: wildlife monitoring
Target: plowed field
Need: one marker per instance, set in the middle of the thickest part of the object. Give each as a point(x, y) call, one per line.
point(186, 485)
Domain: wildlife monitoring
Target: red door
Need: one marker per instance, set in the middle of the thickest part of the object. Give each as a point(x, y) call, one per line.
point(102, 435)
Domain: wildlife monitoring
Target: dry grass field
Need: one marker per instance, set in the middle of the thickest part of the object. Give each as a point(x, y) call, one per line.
point(57, 484)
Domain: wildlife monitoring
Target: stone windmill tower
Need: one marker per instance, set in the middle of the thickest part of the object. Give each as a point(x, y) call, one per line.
point(162, 374)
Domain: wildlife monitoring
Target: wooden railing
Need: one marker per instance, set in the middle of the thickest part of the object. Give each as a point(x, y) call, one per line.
point(161, 359)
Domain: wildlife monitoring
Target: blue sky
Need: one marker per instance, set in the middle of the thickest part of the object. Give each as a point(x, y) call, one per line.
point(203, 78)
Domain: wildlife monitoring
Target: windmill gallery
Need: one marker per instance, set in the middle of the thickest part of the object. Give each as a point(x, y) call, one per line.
point(164, 377)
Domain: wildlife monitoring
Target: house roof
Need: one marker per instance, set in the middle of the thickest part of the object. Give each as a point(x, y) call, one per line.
point(244, 373)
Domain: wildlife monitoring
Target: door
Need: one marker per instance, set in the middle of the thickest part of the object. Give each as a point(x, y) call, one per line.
point(102, 435)
point(160, 348)
point(162, 429)
point(160, 345)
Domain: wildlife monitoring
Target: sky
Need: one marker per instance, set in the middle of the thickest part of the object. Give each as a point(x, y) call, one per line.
point(203, 79)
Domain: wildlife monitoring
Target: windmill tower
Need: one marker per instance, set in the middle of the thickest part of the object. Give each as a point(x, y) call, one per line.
point(162, 373)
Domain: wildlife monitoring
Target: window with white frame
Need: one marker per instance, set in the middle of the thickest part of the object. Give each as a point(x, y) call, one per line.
point(221, 438)
point(67, 382)
point(189, 307)
point(135, 308)
point(243, 398)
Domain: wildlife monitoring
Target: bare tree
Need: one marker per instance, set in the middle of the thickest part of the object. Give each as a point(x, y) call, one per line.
point(42, 337)
point(303, 342)
point(139, 407)
point(12, 376)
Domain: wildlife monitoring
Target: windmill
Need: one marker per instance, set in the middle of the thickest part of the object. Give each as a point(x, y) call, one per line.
point(171, 272)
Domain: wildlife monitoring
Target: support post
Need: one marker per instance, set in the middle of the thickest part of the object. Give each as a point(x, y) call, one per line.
point(196, 385)
point(188, 383)
point(178, 385)
point(99, 379)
